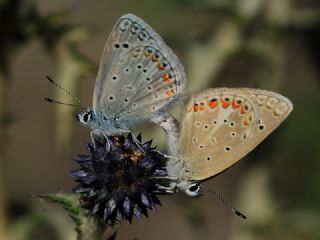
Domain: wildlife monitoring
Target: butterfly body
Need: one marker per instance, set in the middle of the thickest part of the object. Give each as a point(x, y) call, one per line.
point(177, 169)
point(221, 126)
point(138, 79)
point(101, 125)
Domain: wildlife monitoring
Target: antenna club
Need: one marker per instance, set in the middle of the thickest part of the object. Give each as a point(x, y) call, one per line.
point(228, 204)
point(240, 214)
point(50, 79)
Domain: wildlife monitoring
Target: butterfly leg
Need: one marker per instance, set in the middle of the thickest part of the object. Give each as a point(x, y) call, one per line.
point(92, 138)
point(171, 127)
point(171, 188)
point(92, 133)
point(165, 155)
point(108, 142)
point(134, 138)
point(137, 142)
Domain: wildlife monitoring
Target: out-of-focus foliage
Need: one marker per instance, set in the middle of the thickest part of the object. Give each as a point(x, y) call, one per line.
point(20, 21)
point(86, 227)
point(61, 40)
point(253, 44)
point(28, 221)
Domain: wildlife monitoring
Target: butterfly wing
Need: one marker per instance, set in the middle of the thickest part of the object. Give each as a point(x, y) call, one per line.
point(138, 75)
point(222, 125)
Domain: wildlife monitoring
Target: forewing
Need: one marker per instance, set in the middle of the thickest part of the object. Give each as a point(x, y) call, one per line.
point(138, 72)
point(222, 125)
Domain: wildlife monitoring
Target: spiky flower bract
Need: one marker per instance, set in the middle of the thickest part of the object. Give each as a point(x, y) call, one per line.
point(119, 179)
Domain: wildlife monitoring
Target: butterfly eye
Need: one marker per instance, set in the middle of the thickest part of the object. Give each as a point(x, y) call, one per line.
point(85, 117)
point(193, 189)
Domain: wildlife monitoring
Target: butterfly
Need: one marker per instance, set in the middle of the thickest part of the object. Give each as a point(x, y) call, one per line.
point(138, 78)
point(219, 127)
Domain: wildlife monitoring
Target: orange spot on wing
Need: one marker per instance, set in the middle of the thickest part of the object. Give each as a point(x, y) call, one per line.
point(225, 104)
point(195, 107)
point(235, 105)
point(161, 68)
point(166, 78)
point(169, 92)
point(242, 111)
point(212, 104)
point(246, 122)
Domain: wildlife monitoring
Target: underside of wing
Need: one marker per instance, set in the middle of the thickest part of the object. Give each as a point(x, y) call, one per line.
point(222, 125)
point(138, 71)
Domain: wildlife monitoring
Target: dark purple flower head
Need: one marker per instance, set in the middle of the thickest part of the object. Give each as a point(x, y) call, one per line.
point(117, 179)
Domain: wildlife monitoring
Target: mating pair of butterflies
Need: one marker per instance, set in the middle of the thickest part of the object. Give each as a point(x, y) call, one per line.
point(140, 76)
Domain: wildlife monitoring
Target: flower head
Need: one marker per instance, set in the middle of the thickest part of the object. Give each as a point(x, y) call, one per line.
point(119, 179)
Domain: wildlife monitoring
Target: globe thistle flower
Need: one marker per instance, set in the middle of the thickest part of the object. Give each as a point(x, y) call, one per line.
point(119, 179)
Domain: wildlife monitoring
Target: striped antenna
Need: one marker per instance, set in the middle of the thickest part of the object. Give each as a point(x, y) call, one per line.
point(62, 103)
point(66, 91)
point(227, 204)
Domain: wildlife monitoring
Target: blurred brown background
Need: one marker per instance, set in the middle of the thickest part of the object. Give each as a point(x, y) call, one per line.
point(270, 44)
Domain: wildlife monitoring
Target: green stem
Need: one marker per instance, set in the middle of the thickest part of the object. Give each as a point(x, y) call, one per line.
point(87, 227)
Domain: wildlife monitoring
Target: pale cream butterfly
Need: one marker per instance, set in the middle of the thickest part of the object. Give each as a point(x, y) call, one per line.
point(220, 126)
